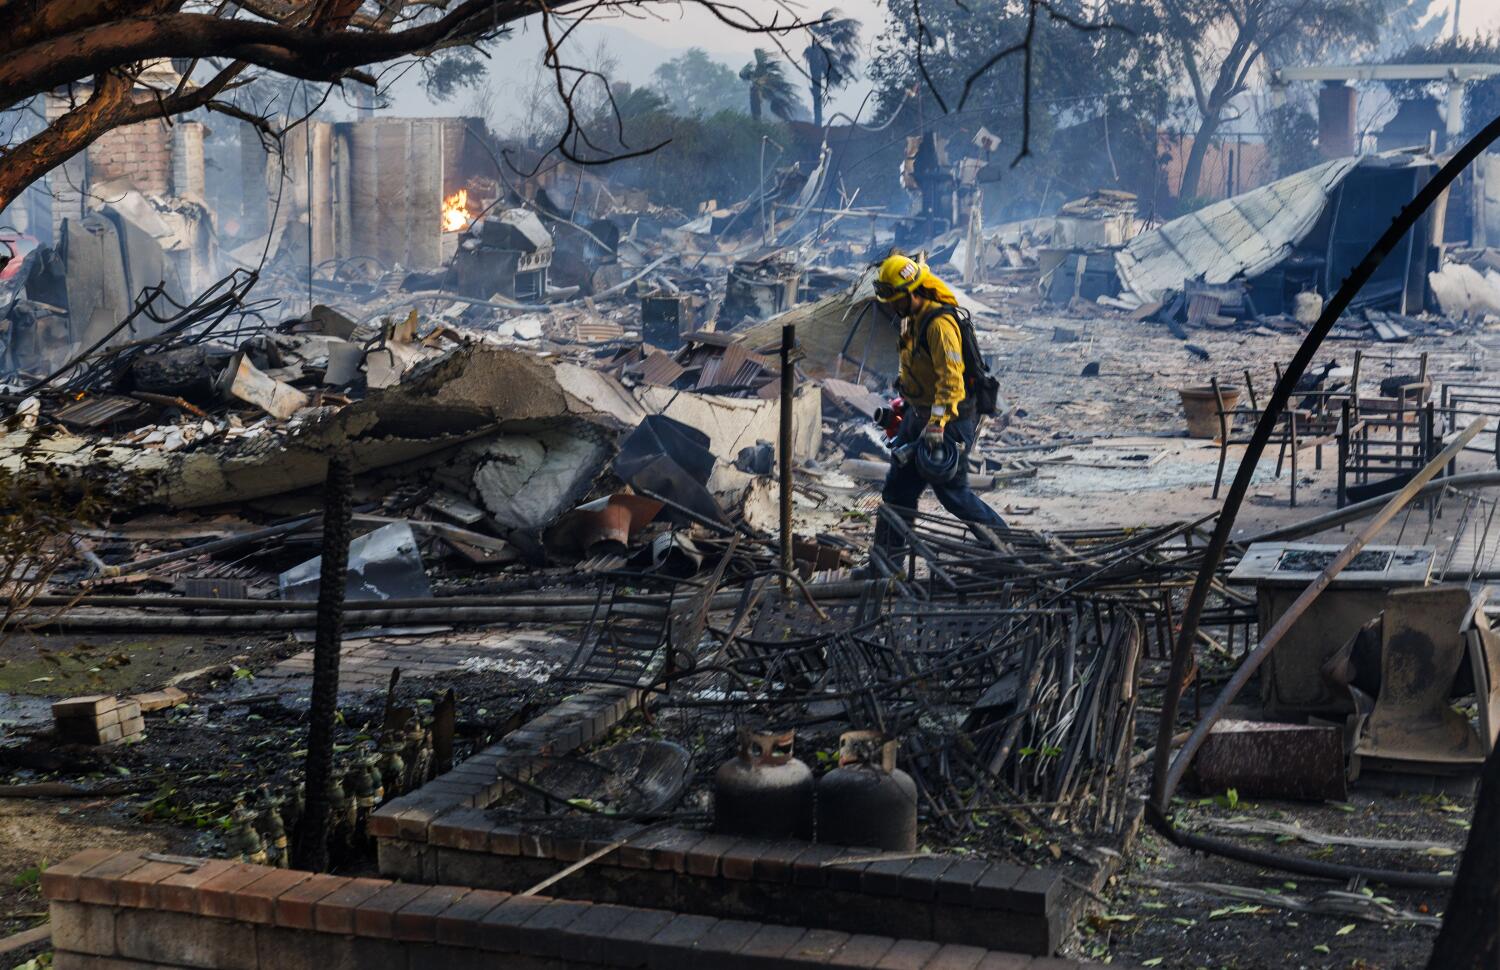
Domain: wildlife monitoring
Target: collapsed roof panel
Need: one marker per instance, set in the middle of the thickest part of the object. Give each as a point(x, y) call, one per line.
point(1239, 237)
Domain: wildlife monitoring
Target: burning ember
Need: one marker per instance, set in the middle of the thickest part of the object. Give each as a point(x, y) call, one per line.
point(456, 211)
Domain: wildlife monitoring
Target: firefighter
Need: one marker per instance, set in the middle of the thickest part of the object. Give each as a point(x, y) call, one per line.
point(942, 401)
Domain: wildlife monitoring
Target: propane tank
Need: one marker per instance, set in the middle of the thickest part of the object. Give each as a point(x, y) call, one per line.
point(764, 792)
point(867, 800)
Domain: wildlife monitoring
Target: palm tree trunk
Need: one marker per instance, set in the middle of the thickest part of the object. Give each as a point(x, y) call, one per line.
point(817, 102)
point(754, 102)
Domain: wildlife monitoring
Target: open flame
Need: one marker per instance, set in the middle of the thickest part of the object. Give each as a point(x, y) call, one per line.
point(456, 211)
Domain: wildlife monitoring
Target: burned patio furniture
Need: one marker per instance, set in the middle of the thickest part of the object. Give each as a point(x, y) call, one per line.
point(1297, 428)
point(1379, 453)
point(1460, 402)
point(1435, 648)
point(1403, 392)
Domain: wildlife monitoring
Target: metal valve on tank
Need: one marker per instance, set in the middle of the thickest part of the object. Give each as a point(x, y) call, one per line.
point(867, 800)
point(764, 791)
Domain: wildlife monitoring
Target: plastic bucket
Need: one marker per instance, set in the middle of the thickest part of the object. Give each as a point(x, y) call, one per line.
point(1201, 409)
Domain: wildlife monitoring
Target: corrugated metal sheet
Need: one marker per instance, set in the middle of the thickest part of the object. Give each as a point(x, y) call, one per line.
point(99, 411)
point(1242, 236)
point(597, 330)
point(661, 369)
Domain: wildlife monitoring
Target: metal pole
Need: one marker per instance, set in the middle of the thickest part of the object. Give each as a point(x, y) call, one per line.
point(788, 341)
point(760, 183)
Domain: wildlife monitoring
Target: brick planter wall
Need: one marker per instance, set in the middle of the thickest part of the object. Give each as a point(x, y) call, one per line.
point(132, 911)
point(443, 833)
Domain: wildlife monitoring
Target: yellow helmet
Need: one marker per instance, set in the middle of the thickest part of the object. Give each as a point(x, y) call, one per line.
point(898, 276)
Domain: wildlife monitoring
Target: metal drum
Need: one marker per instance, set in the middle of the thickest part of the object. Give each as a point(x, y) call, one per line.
point(867, 800)
point(764, 792)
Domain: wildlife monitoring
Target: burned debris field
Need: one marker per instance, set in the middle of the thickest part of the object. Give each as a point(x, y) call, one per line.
point(983, 486)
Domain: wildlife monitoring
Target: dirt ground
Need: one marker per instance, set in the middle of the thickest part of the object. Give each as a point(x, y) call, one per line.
point(1159, 911)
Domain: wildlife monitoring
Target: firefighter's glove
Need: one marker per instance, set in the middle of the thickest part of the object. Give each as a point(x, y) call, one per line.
point(932, 435)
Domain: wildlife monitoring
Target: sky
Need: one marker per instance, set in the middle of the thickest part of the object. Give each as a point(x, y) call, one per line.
point(642, 42)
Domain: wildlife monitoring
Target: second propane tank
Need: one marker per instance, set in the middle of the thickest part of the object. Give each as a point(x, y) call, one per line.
point(867, 800)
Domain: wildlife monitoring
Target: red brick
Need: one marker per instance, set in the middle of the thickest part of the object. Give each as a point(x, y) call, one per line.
point(334, 913)
point(956, 885)
point(294, 908)
point(543, 934)
point(60, 882)
point(1037, 891)
point(179, 893)
point(382, 825)
point(774, 864)
point(376, 916)
point(417, 920)
point(461, 830)
point(920, 880)
point(726, 937)
point(956, 957)
point(459, 924)
point(847, 876)
point(670, 855)
point(256, 903)
point(499, 929)
point(1004, 961)
point(98, 884)
point(772, 942)
point(884, 878)
point(996, 889)
point(862, 951)
point(629, 941)
point(908, 955)
point(590, 938)
point(818, 946)
point(138, 889)
point(739, 860)
point(807, 868)
point(216, 897)
point(536, 845)
point(703, 858)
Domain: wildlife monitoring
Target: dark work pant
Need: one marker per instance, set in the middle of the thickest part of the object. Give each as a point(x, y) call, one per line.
point(904, 484)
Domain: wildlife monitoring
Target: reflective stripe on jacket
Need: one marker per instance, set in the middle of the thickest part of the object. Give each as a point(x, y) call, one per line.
point(932, 376)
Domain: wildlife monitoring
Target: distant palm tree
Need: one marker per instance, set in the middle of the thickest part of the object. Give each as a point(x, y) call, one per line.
point(769, 87)
point(831, 57)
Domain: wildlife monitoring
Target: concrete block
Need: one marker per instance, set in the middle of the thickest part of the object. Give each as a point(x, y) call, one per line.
point(283, 949)
point(187, 941)
point(82, 928)
point(908, 955)
point(409, 861)
point(862, 951)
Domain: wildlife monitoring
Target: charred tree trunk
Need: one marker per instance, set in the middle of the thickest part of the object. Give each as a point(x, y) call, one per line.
point(312, 833)
point(1470, 937)
point(1192, 172)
